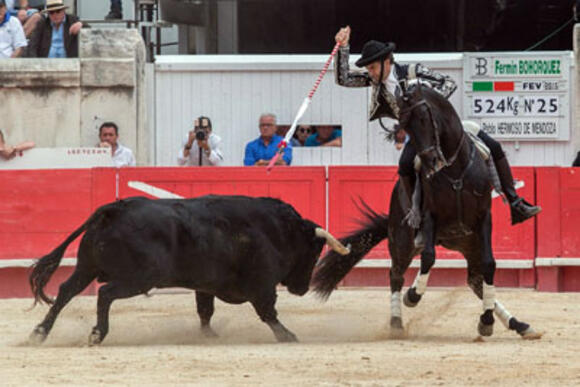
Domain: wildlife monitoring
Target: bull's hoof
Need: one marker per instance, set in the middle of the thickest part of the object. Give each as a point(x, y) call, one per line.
point(208, 332)
point(287, 337)
point(95, 338)
point(38, 335)
point(411, 298)
point(485, 330)
point(531, 334)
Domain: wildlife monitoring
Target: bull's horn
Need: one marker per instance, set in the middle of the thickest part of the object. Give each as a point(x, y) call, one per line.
point(332, 241)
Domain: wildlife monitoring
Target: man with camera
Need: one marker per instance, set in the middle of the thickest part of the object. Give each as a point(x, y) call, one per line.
point(202, 147)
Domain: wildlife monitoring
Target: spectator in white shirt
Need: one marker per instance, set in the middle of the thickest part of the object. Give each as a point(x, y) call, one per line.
point(109, 135)
point(12, 39)
point(202, 146)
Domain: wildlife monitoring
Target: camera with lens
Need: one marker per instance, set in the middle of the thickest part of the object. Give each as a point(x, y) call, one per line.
point(200, 134)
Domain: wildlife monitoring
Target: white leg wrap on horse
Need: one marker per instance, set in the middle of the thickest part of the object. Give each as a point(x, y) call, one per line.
point(396, 304)
point(488, 297)
point(503, 314)
point(420, 283)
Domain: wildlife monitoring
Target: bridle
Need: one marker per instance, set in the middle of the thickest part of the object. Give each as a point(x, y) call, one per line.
point(456, 183)
point(405, 112)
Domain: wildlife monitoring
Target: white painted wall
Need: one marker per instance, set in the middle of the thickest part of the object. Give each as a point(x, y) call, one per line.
point(234, 90)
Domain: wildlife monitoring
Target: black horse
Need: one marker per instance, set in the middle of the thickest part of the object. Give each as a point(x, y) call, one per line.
point(456, 213)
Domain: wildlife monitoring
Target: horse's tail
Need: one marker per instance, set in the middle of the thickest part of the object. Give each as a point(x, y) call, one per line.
point(334, 267)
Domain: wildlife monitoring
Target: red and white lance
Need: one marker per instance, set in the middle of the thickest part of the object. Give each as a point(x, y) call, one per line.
point(284, 143)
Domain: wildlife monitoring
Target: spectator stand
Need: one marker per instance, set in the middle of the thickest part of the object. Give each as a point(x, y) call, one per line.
point(146, 18)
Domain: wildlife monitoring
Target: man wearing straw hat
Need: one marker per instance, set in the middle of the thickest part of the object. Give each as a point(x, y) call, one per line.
point(57, 35)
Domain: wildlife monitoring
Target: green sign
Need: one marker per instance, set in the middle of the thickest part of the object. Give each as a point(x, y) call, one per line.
point(527, 66)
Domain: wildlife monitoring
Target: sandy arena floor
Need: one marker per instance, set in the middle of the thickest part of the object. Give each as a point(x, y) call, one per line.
point(344, 341)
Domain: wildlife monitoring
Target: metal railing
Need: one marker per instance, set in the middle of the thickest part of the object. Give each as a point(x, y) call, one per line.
point(146, 17)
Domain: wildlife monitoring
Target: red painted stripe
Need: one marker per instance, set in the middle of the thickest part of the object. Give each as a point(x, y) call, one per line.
point(503, 86)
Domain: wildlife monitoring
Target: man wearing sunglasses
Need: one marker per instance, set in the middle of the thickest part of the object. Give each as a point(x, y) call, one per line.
point(56, 36)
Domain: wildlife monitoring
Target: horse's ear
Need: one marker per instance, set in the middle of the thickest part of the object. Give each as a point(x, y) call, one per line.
point(406, 94)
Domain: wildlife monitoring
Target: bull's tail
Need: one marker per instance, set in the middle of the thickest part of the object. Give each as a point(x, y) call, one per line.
point(334, 267)
point(44, 268)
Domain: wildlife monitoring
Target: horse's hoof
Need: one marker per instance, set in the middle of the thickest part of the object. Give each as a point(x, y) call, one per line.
point(95, 338)
point(411, 298)
point(397, 333)
point(484, 329)
point(531, 334)
point(396, 322)
point(38, 336)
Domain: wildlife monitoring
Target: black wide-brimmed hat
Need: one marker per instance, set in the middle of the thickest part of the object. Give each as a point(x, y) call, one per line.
point(373, 51)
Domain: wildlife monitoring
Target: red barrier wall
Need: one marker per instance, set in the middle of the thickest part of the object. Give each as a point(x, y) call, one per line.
point(374, 185)
point(302, 187)
point(558, 232)
point(39, 209)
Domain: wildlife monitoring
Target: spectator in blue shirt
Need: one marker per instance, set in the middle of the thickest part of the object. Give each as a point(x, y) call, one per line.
point(261, 150)
point(325, 135)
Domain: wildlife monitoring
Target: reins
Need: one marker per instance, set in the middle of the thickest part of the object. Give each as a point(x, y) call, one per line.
point(457, 183)
point(437, 147)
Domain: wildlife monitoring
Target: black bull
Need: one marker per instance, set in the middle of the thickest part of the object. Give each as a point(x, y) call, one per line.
point(232, 247)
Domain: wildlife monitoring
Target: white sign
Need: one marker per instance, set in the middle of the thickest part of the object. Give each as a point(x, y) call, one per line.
point(523, 96)
point(53, 158)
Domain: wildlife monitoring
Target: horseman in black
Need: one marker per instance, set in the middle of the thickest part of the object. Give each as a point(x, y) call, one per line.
point(387, 78)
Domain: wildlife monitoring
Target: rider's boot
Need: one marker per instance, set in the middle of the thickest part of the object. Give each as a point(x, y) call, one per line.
point(520, 209)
